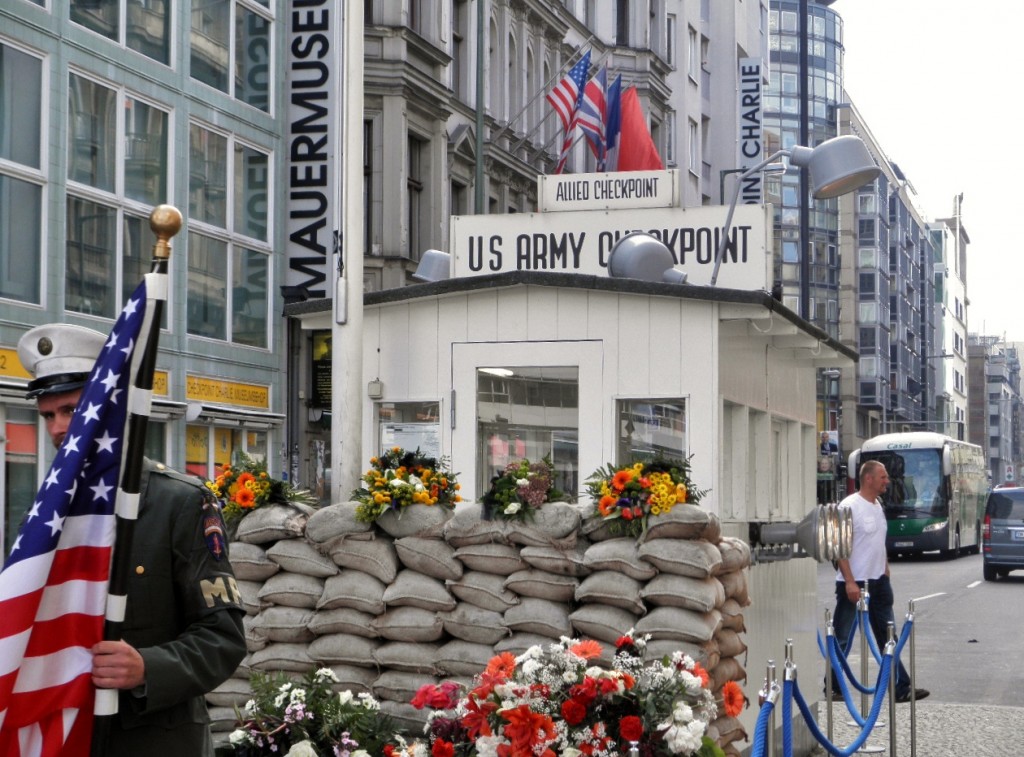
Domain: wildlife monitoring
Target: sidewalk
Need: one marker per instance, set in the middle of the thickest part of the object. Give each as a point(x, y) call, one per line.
point(943, 730)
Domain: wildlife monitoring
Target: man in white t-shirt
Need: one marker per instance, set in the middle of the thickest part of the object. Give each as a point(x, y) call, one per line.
point(868, 562)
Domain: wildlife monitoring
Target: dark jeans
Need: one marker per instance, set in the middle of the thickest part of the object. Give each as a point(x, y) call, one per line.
point(880, 614)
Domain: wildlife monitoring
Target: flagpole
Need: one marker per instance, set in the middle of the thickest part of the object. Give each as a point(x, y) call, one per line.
point(165, 221)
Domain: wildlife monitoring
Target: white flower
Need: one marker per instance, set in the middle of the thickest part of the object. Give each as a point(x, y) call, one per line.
point(368, 702)
point(326, 674)
point(397, 483)
point(569, 676)
point(250, 707)
point(513, 508)
point(360, 753)
point(522, 482)
point(487, 746)
point(302, 749)
point(345, 697)
point(239, 736)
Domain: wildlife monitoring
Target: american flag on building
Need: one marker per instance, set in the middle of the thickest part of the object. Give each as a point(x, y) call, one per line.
point(565, 98)
point(53, 587)
point(593, 115)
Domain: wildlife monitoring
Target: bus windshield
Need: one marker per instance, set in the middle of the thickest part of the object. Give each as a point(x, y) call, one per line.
point(915, 482)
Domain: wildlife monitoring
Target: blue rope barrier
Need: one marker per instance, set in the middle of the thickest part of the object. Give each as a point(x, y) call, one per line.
point(839, 661)
point(761, 729)
point(872, 645)
point(787, 718)
point(876, 706)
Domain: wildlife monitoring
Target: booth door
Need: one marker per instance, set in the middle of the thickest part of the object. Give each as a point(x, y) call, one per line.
point(516, 400)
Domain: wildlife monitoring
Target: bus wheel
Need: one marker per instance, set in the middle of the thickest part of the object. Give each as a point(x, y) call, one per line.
point(988, 572)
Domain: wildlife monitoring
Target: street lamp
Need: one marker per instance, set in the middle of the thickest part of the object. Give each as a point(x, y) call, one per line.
point(836, 166)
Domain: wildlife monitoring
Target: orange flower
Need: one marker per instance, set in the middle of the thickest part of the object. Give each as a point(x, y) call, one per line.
point(527, 728)
point(733, 700)
point(606, 505)
point(502, 665)
point(244, 478)
point(621, 478)
point(245, 498)
point(587, 649)
point(698, 670)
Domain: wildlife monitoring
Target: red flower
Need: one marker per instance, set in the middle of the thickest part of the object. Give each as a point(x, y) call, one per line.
point(389, 750)
point(698, 670)
point(441, 697)
point(585, 692)
point(573, 711)
point(475, 720)
point(624, 641)
point(588, 649)
point(627, 514)
point(733, 699)
point(526, 728)
point(631, 728)
point(442, 748)
point(637, 511)
point(609, 686)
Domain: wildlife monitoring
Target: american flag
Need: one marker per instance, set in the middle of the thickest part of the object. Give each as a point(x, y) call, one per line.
point(565, 98)
point(53, 588)
point(593, 113)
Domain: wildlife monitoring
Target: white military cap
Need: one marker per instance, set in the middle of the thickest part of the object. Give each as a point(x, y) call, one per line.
point(59, 356)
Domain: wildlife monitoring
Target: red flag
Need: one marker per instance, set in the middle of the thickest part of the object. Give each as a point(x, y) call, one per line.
point(53, 588)
point(636, 148)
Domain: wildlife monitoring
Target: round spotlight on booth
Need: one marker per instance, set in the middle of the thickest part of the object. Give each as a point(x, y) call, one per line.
point(641, 256)
point(435, 265)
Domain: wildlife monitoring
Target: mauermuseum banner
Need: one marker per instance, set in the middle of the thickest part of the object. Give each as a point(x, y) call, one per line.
point(580, 242)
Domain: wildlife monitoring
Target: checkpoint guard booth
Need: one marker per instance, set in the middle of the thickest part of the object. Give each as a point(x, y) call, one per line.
point(530, 349)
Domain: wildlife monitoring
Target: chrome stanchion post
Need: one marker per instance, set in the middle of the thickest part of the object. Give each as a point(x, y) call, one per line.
point(913, 681)
point(771, 685)
point(890, 648)
point(865, 629)
point(830, 632)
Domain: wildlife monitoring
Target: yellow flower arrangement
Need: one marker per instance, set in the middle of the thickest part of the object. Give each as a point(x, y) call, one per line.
point(629, 494)
point(246, 486)
point(399, 478)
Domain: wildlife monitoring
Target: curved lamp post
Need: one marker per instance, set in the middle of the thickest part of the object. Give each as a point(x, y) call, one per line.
point(837, 166)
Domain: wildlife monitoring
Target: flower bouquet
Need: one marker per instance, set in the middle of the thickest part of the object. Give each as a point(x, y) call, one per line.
point(554, 701)
point(626, 496)
point(247, 486)
point(399, 478)
point(521, 489)
point(308, 718)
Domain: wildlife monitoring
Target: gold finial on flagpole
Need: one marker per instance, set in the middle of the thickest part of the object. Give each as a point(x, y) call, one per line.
point(165, 221)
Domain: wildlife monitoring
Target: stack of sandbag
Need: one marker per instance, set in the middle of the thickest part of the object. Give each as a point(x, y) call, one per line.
point(432, 595)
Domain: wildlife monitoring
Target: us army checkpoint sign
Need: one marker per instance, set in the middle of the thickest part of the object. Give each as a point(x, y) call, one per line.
point(581, 242)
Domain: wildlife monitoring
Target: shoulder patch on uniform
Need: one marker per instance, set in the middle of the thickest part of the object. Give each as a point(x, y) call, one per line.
point(213, 528)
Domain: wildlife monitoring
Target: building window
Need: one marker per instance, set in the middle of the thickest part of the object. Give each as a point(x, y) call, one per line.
point(228, 241)
point(461, 65)
point(648, 429)
point(21, 178)
point(145, 26)
point(694, 147)
point(670, 140)
point(209, 449)
point(671, 29)
point(693, 53)
point(238, 64)
point(367, 187)
point(622, 23)
point(417, 205)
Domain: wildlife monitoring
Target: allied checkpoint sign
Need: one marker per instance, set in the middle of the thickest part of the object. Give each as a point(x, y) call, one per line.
point(581, 242)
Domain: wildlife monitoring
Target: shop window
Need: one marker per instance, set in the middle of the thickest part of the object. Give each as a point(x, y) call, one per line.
point(648, 429)
point(146, 28)
point(532, 413)
point(20, 469)
point(410, 425)
point(208, 449)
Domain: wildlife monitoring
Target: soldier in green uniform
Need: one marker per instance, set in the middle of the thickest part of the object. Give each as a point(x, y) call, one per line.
point(182, 634)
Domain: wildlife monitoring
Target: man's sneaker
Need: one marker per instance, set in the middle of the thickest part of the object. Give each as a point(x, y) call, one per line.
point(919, 694)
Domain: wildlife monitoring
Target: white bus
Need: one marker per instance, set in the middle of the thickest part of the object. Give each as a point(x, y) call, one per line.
point(936, 498)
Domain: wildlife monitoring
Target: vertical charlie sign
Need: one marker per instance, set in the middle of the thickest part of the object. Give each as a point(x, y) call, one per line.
point(751, 134)
point(314, 142)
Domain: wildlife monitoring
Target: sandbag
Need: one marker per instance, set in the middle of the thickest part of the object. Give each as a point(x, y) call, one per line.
point(467, 526)
point(343, 649)
point(408, 624)
point(272, 523)
point(407, 657)
point(621, 555)
point(471, 623)
point(551, 524)
point(543, 585)
point(412, 589)
point(406, 718)
point(462, 658)
point(353, 678)
point(413, 520)
point(343, 620)
point(292, 590)
point(355, 589)
point(280, 623)
point(732, 615)
point(729, 643)
point(285, 657)
point(539, 616)
point(299, 556)
point(705, 653)
point(500, 559)
point(396, 686)
point(250, 562)
point(255, 636)
point(486, 590)
point(377, 557)
point(565, 562)
point(250, 592)
point(602, 622)
point(735, 554)
point(735, 585)
point(683, 521)
point(234, 692)
point(608, 587)
point(728, 730)
point(432, 557)
point(518, 643)
point(701, 594)
point(679, 624)
point(336, 520)
point(696, 558)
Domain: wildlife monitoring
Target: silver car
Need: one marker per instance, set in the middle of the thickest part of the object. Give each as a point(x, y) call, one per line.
point(1003, 532)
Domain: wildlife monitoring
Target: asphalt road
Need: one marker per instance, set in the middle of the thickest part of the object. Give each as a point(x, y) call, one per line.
point(967, 631)
point(967, 653)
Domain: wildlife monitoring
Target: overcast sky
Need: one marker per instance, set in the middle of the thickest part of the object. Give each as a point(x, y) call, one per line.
point(939, 86)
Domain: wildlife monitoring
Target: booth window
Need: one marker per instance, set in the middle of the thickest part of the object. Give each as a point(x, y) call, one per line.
point(651, 428)
point(532, 413)
point(410, 425)
point(209, 448)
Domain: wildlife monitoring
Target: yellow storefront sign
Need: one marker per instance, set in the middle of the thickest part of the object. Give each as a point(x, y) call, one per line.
point(10, 366)
point(202, 389)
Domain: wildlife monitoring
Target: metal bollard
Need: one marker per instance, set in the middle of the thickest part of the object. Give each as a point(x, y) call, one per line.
point(771, 685)
point(830, 632)
point(913, 681)
point(865, 629)
point(890, 648)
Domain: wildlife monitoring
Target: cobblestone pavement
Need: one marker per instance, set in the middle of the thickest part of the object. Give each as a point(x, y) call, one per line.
point(943, 730)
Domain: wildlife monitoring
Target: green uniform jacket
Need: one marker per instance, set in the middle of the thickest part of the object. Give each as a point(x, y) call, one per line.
point(183, 614)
